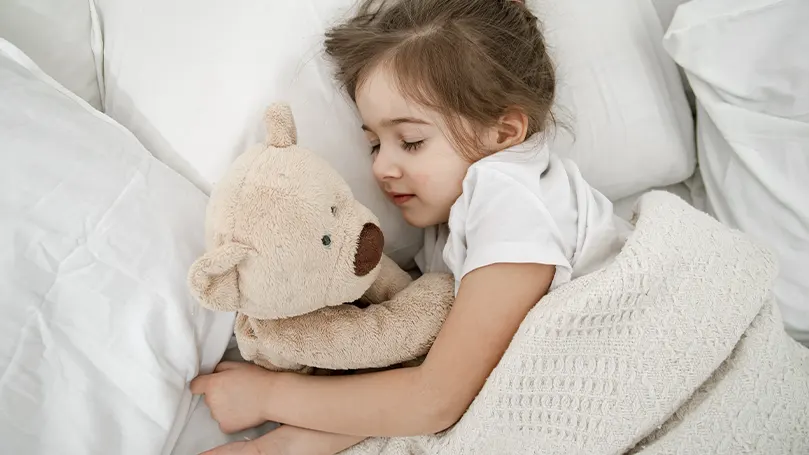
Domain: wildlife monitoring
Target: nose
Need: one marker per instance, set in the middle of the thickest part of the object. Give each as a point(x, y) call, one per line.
point(369, 249)
point(385, 166)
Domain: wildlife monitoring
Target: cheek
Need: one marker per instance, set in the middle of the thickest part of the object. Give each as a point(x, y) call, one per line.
point(421, 179)
point(432, 186)
point(438, 188)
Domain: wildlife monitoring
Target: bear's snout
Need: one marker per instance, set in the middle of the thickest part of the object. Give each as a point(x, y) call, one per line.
point(369, 249)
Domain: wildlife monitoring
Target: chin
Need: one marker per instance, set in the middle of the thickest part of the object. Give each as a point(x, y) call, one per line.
point(419, 224)
point(419, 220)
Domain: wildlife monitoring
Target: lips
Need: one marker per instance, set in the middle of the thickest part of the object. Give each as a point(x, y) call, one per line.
point(400, 198)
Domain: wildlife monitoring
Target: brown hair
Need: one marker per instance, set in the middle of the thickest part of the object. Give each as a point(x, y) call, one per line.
point(469, 60)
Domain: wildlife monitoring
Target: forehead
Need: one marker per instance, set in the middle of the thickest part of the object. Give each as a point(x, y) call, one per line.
point(379, 99)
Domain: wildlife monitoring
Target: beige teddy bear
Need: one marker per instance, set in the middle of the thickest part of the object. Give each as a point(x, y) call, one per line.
point(300, 261)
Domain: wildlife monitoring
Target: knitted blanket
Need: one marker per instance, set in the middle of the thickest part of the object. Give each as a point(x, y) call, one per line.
point(675, 347)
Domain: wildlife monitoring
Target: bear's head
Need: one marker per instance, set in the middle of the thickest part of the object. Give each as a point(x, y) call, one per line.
point(284, 234)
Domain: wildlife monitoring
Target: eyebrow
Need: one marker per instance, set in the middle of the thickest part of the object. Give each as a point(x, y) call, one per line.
point(399, 121)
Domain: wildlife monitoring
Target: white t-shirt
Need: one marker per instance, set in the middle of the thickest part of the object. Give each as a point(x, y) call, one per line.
point(525, 205)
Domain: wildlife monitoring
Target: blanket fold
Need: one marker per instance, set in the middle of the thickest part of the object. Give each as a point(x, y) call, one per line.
point(675, 347)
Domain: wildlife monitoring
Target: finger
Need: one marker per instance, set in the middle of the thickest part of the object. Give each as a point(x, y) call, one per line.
point(199, 384)
point(228, 429)
point(225, 366)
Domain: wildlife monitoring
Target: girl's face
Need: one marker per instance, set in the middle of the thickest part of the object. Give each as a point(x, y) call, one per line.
point(414, 163)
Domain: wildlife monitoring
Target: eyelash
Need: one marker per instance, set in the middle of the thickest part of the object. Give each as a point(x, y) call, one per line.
point(408, 146)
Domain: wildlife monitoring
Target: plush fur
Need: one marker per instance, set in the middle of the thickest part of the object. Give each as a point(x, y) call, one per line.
point(289, 249)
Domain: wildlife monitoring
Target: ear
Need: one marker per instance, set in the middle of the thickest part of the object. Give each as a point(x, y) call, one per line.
point(511, 129)
point(214, 280)
point(280, 125)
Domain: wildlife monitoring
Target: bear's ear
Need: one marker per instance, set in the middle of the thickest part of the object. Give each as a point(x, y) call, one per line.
point(280, 125)
point(214, 280)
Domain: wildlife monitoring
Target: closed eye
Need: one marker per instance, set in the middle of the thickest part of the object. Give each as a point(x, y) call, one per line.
point(411, 146)
point(407, 146)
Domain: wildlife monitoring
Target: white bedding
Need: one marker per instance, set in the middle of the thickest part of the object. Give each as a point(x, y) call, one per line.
point(64, 39)
point(753, 127)
point(99, 335)
point(63, 272)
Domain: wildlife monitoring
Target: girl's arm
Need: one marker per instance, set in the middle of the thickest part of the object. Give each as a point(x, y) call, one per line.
point(287, 440)
point(491, 303)
point(294, 440)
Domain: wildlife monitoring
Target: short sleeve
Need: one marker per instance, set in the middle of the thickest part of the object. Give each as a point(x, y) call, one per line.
point(505, 222)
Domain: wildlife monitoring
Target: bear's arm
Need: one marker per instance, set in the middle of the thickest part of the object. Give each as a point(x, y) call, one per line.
point(390, 281)
point(399, 329)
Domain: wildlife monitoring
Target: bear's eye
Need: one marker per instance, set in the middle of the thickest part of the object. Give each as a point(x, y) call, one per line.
point(334, 210)
point(326, 240)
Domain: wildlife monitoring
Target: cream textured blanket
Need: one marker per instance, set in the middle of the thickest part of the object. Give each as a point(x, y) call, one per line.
point(675, 348)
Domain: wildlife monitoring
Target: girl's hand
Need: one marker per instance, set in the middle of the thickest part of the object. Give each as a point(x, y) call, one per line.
point(235, 393)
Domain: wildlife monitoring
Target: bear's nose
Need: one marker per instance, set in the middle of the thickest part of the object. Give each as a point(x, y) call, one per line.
point(369, 249)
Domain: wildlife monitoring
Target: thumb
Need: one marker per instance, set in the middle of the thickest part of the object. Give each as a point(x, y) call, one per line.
point(199, 384)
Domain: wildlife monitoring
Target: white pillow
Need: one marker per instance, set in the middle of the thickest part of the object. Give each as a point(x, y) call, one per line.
point(63, 38)
point(620, 93)
point(665, 10)
point(99, 335)
point(748, 63)
point(191, 78)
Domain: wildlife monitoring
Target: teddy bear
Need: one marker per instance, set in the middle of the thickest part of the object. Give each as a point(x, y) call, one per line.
point(300, 261)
